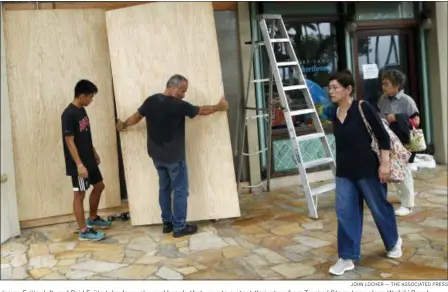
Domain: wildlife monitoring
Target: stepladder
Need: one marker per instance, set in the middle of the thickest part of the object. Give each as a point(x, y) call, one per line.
point(288, 92)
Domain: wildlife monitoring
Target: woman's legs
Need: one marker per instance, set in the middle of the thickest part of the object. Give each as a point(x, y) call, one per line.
point(375, 195)
point(349, 211)
point(406, 190)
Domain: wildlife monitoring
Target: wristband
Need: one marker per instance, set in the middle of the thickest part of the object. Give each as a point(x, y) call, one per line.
point(79, 165)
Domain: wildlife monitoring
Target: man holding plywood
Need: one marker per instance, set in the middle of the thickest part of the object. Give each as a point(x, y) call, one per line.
point(165, 121)
point(82, 160)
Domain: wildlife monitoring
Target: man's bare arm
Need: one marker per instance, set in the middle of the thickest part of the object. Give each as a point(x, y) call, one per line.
point(132, 120)
point(82, 170)
point(70, 140)
point(206, 110)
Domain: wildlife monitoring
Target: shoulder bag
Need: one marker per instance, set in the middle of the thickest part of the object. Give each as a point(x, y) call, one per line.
point(399, 155)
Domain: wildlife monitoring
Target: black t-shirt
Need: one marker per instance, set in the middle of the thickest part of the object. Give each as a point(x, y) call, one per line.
point(355, 158)
point(165, 124)
point(75, 122)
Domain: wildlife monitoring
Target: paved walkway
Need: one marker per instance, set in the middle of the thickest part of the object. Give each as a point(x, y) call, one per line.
point(273, 239)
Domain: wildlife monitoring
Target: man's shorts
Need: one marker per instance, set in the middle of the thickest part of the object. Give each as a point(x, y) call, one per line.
point(83, 184)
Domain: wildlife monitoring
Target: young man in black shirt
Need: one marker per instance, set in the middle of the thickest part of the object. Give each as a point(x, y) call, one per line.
point(82, 160)
point(165, 121)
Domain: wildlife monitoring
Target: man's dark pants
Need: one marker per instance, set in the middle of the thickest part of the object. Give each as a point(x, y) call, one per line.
point(173, 177)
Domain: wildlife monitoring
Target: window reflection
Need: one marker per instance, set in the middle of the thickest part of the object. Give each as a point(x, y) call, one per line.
point(387, 52)
point(315, 47)
point(384, 10)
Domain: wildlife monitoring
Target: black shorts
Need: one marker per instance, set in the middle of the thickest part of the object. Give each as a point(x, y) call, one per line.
point(83, 184)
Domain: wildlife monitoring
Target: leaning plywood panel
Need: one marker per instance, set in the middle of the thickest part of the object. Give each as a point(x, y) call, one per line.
point(148, 44)
point(47, 52)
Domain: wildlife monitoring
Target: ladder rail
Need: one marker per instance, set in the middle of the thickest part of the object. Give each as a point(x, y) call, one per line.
point(279, 85)
point(269, 140)
point(308, 99)
point(294, 63)
point(241, 144)
point(270, 37)
point(240, 149)
point(286, 112)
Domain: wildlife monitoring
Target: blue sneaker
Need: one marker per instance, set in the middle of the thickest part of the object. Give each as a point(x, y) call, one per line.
point(98, 222)
point(91, 235)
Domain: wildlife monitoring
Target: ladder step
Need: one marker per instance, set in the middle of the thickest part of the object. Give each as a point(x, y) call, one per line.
point(267, 24)
point(260, 80)
point(268, 16)
point(279, 40)
point(255, 153)
point(302, 112)
point(254, 186)
point(284, 64)
point(257, 116)
point(294, 87)
point(317, 162)
point(310, 137)
point(323, 189)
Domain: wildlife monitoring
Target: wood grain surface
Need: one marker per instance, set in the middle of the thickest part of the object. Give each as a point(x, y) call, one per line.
point(47, 52)
point(148, 44)
point(106, 5)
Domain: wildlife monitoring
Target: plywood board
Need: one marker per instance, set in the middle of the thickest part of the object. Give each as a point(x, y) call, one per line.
point(9, 214)
point(47, 52)
point(217, 6)
point(148, 44)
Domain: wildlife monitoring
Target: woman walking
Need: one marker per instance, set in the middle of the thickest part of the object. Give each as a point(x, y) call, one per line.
point(400, 111)
point(360, 176)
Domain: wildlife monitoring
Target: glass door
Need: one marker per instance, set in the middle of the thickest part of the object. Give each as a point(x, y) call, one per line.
point(380, 50)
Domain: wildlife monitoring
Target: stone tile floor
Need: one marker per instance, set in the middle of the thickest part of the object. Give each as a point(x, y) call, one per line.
point(273, 239)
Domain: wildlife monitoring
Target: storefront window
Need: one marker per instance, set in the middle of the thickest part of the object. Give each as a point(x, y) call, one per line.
point(384, 10)
point(316, 49)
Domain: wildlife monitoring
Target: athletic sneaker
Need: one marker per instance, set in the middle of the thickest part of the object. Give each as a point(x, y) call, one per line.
point(396, 252)
point(91, 235)
point(187, 230)
point(403, 211)
point(341, 266)
point(98, 222)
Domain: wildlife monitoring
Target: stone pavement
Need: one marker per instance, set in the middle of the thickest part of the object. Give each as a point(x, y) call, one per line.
point(273, 239)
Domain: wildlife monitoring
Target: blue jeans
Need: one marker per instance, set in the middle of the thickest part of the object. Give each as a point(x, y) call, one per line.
point(173, 176)
point(349, 211)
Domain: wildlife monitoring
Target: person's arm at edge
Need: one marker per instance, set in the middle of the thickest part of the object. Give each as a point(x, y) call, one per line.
point(413, 112)
point(132, 120)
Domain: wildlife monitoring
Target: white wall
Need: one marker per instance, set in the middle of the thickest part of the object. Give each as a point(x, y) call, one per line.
point(9, 215)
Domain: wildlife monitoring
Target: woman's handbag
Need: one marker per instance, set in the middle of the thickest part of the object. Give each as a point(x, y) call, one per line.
point(398, 157)
point(417, 141)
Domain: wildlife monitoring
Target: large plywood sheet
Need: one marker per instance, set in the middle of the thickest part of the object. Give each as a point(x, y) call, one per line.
point(9, 215)
point(148, 44)
point(47, 52)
